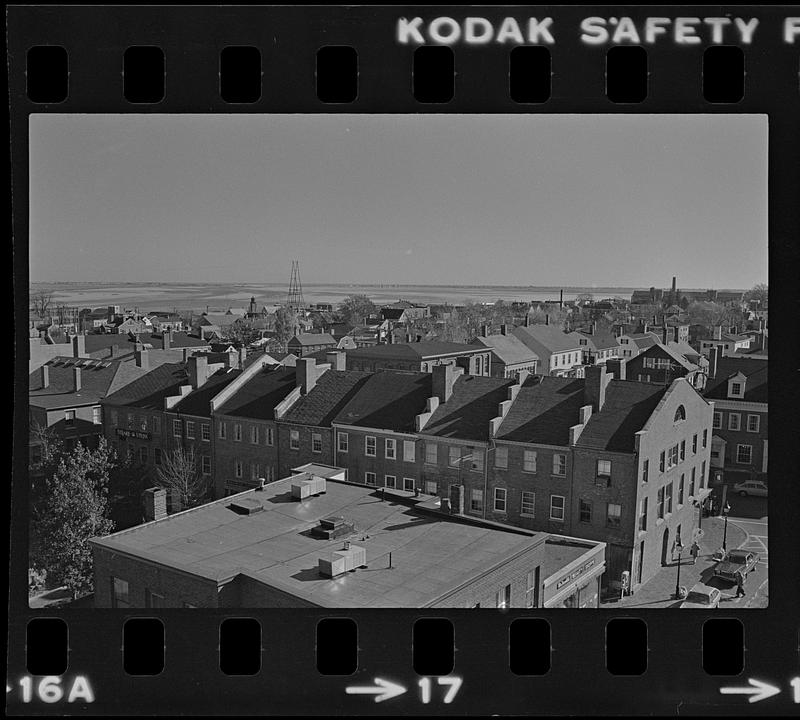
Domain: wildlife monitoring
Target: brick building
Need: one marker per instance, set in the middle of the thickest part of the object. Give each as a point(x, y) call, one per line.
point(510, 355)
point(307, 343)
point(421, 357)
point(283, 551)
point(559, 352)
point(661, 364)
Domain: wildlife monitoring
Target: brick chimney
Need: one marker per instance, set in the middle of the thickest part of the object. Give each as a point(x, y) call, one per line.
point(142, 357)
point(504, 329)
point(444, 376)
point(76, 378)
point(456, 499)
point(593, 328)
point(45, 376)
point(527, 319)
point(596, 382)
point(547, 319)
point(154, 504)
point(166, 339)
point(484, 331)
point(79, 346)
point(337, 359)
point(306, 374)
point(616, 366)
point(198, 370)
point(713, 359)
point(717, 332)
point(242, 356)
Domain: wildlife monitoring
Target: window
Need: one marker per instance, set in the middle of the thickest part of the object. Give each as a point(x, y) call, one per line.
point(585, 511)
point(500, 500)
point(604, 472)
point(97, 415)
point(683, 450)
point(143, 455)
point(370, 445)
point(661, 460)
point(157, 455)
point(222, 431)
point(643, 514)
point(694, 443)
point(206, 464)
point(119, 593)
point(342, 441)
point(205, 432)
point(680, 489)
point(237, 432)
point(431, 487)
point(476, 501)
point(254, 434)
point(477, 459)
point(501, 457)
point(734, 421)
point(114, 418)
point(294, 439)
point(176, 428)
point(531, 594)
point(753, 423)
point(528, 504)
point(705, 438)
point(504, 597)
point(680, 413)
point(431, 453)
point(668, 497)
point(316, 442)
point(152, 600)
point(645, 470)
point(391, 449)
point(691, 482)
point(255, 471)
point(409, 484)
point(190, 429)
point(703, 475)
point(529, 461)
point(660, 503)
point(559, 464)
point(613, 515)
point(556, 507)
point(409, 451)
point(237, 468)
point(390, 481)
point(717, 420)
point(369, 478)
point(736, 388)
point(744, 454)
point(672, 457)
point(454, 455)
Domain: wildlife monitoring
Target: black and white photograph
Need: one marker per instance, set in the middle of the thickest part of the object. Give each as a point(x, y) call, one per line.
point(398, 361)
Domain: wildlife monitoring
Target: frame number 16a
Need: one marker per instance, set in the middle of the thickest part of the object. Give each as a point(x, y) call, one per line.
point(453, 684)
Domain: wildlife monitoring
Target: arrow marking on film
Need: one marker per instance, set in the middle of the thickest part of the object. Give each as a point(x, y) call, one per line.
point(382, 690)
point(758, 690)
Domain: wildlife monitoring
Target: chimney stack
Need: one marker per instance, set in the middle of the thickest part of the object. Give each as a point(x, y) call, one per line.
point(561, 299)
point(547, 319)
point(242, 356)
point(337, 359)
point(444, 377)
point(166, 339)
point(616, 366)
point(76, 376)
point(717, 332)
point(596, 382)
point(45, 376)
point(713, 359)
point(198, 370)
point(593, 329)
point(142, 357)
point(484, 330)
point(306, 374)
point(79, 346)
point(504, 329)
point(187, 352)
point(154, 501)
point(527, 319)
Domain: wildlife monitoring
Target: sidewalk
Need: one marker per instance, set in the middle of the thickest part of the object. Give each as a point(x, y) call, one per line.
point(659, 591)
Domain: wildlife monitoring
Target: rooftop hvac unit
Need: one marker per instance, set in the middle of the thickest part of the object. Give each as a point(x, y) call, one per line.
point(308, 487)
point(245, 506)
point(332, 528)
point(342, 561)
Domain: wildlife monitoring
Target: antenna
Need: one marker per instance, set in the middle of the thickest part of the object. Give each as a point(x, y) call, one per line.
point(294, 298)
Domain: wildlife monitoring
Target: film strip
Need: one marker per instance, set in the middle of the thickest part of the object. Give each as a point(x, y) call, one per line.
point(518, 657)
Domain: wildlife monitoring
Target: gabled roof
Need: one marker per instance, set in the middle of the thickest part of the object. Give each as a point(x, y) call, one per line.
point(643, 340)
point(413, 351)
point(628, 406)
point(179, 340)
point(388, 400)
point(548, 338)
point(509, 349)
point(755, 369)
point(198, 402)
point(600, 340)
point(392, 313)
point(672, 353)
point(686, 350)
point(258, 397)
point(97, 380)
point(148, 392)
point(544, 410)
point(466, 415)
point(332, 391)
point(306, 339)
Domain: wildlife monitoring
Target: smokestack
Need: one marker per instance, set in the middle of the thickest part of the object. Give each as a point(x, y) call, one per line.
point(198, 370)
point(154, 502)
point(306, 374)
point(76, 377)
point(443, 379)
point(45, 376)
point(337, 359)
point(674, 287)
point(713, 359)
point(142, 358)
point(79, 346)
point(596, 382)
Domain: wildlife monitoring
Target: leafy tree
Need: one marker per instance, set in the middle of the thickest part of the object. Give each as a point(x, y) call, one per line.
point(178, 475)
point(74, 509)
point(285, 324)
point(241, 332)
point(354, 308)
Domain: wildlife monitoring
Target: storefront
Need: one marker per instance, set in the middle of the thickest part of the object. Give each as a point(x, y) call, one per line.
point(578, 584)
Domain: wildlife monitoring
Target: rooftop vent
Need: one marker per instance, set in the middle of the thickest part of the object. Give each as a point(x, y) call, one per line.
point(342, 561)
point(332, 528)
point(245, 506)
point(308, 487)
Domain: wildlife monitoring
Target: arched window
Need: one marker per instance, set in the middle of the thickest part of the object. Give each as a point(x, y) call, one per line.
point(680, 414)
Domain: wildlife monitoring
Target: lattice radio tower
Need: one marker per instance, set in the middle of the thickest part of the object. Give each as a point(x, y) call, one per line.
point(294, 298)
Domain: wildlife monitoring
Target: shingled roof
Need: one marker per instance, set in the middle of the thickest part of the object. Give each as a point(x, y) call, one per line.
point(550, 338)
point(331, 393)
point(412, 351)
point(148, 392)
point(258, 397)
point(509, 349)
point(754, 369)
point(198, 402)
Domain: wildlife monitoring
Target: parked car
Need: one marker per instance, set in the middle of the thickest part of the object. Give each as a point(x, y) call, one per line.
point(702, 596)
point(751, 487)
point(743, 561)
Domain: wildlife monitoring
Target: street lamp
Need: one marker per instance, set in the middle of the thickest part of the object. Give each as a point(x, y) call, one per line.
point(725, 510)
point(679, 548)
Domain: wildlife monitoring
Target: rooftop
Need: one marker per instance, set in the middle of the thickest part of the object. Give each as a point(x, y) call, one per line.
point(258, 397)
point(412, 351)
point(148, 392)
point(550, 337)
point(313, 339)
point(754, 369)
point(432, 554)
point(198, 401)
point(509, 348)
point(332, 391)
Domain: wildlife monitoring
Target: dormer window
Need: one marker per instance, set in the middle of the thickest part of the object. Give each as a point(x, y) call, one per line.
point(736, 386)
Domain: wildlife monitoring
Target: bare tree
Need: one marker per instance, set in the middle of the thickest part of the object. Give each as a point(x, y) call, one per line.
point(41, 302)
point(179, 477)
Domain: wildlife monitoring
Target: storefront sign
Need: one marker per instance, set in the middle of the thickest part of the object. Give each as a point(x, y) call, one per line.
point(138, 434)
point(574, 574)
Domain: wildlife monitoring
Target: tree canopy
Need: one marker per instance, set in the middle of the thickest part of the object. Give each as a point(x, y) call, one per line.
point(354, 308)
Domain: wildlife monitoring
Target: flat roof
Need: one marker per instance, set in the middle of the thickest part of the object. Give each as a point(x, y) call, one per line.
point(432, 554)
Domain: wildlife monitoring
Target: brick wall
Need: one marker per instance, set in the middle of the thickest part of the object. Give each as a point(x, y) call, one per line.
point(227, 451)
point(742, 437)
point(358, 463)
point(289, 458)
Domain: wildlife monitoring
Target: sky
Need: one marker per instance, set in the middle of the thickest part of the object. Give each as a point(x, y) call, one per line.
point(438, 199)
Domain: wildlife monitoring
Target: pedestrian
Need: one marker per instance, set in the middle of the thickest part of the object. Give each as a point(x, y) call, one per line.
point(740, 584)
point(694, 551)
